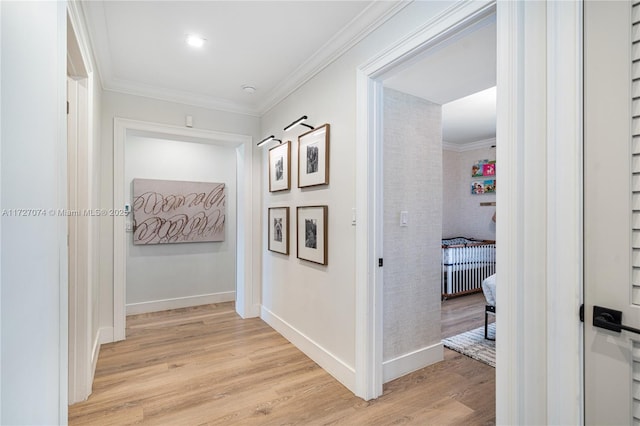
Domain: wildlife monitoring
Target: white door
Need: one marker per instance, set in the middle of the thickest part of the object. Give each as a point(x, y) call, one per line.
point(612, 209)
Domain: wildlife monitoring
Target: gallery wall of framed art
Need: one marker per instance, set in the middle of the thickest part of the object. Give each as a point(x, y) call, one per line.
point(311, 221)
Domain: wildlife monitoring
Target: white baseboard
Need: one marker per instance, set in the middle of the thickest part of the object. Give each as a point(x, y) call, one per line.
point(105, 335)
point(407, 363)
point(329, 362)
point(180, 302)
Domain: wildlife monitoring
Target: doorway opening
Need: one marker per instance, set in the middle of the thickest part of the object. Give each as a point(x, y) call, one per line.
point(465, 131)
point(239, 147)
point(162, 275)
point(372, 239)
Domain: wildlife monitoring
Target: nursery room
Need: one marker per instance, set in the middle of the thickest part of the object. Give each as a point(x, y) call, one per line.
point(468, 214)
point(467, 103)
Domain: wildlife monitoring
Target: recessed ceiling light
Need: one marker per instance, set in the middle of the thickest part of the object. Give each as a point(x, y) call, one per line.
point(248, 88)
point(195, 41)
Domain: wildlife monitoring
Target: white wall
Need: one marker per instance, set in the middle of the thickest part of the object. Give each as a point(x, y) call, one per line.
point(33, 176)
point(463, 215)
point(314, 305)
point(155, 111)
point(412, 254)
point(171, 273)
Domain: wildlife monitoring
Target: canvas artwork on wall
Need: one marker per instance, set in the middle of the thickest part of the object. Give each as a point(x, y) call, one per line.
point(167, 211)
point(483, 187)
point(483, 168)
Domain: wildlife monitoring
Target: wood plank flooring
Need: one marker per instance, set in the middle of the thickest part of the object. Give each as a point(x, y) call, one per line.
point(464, 313)
point(205, 365)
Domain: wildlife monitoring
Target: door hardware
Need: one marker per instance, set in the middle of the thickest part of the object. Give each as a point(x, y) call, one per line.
point(610, 319)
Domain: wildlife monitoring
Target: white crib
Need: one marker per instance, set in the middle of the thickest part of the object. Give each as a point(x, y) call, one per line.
point(466, 262)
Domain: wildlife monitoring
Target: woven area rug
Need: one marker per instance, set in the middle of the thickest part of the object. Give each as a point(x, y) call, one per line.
point(474, 345)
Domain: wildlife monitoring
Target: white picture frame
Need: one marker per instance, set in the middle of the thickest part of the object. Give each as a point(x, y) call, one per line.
point(312, 231)
point(280, 167)
point(313, 157)
point(278, 229)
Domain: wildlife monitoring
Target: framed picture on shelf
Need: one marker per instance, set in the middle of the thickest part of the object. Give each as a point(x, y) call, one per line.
point(280, 167)
point(313, 157)
point(278, 218)
point(312, 233)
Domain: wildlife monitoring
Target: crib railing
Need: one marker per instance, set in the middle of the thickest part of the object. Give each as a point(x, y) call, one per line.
point(465, 267)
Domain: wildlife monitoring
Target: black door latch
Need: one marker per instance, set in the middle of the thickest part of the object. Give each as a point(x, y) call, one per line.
point(610, 319)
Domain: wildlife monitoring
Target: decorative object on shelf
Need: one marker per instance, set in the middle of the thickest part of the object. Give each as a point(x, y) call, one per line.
point(168, 211)
point(313, 157)
point(280, 167)
point(483, 187)
point(483, 168)
point(312, 233)
point(278, 224)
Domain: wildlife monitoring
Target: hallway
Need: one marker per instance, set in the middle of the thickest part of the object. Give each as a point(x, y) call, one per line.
point(205, 365)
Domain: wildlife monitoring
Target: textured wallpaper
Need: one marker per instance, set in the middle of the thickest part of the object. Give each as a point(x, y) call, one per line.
point(412, 256)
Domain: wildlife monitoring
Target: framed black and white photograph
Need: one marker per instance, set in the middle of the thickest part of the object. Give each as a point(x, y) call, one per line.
point(278, 218)
point(279, 167)
point(313, 157)
point(312, 233)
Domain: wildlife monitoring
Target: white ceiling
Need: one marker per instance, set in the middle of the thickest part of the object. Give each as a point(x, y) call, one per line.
point(457, 74)
point(274, 46)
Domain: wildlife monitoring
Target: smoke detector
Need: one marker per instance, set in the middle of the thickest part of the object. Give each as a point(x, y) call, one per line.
point(248, 88)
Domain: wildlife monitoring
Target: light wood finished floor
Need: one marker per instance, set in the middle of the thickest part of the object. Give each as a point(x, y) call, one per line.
point(460, 314)
point(205, 365)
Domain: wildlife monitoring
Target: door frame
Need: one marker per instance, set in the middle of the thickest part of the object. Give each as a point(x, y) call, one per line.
point(539, 362)
point(370, 181)
point(247, 289)
point(82, 234)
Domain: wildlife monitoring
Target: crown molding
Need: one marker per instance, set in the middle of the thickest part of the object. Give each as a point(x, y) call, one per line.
point(374, 15)
point(102, 66)
point(367, 21)
point(481, 144)
point(178, 96)
point(79, 22)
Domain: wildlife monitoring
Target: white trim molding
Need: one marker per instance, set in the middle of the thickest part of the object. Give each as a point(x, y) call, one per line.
point(456, 147)
point(248, 289)
point(371, 18)
point(459, 17)
point(342, 372)
point(180, 302)
point(412, 361)
point(539, 263)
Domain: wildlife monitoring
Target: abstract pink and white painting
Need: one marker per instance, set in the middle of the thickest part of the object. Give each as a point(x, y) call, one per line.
point(168, 211)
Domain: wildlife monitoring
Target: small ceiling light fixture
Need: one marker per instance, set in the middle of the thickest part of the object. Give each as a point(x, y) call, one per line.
point(195, 41)
point(268, 139)
point(249, 89)
point(299, 121)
